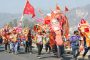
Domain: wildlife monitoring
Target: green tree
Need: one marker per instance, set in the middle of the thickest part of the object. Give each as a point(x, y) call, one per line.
point(15, 22)
point(11, 24)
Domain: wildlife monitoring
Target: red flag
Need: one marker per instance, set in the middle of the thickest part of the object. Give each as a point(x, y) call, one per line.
point(66, 9)
point(29, 9)
point(83, 21)
point(47, 22)
point(57, 7)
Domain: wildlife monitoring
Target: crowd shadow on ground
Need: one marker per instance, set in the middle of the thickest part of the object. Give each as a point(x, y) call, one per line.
point(65, 57)
point(46, 55)
point(22, 51)
point(1, 50)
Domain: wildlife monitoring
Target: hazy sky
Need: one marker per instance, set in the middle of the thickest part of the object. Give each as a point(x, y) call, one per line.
point(16, 6)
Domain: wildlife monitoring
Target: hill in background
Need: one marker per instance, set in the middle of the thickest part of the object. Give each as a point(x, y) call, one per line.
point(74, 16)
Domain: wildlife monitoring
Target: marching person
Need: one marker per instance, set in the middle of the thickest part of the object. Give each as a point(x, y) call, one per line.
point(47, 45)
point(84, 29)
point(14, 42)
point(27, 34)
point(19, 40)
point(5, 37)
point(1, 40)
point(75, 43)
point(39, 44)
point(29, 41)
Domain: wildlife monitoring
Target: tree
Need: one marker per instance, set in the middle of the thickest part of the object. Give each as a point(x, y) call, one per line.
point(15, 22)
point(10, 24)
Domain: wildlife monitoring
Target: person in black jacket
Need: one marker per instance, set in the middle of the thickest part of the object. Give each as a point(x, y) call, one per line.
point(1, 39)
point(29, 43)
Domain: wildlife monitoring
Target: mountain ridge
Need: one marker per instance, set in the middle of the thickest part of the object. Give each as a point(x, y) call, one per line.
point(74, 16)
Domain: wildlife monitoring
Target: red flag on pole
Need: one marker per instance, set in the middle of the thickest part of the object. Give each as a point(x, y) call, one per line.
point(57, 7)
point(29, 9)
point(66, 9)
point(47, 22)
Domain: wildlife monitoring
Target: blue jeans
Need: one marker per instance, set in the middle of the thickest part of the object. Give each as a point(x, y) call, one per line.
point(14, 47)
point(74, 50)
point(86, 50)
point(60, 50)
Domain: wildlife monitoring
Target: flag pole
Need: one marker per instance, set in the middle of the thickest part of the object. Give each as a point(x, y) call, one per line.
point(20, 21)
point(41, 13)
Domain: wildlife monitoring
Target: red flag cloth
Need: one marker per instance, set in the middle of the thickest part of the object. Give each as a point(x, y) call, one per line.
point(47, 22)
point(83, 21)
point(29, 9)
point(66, 9)
point(57, 7)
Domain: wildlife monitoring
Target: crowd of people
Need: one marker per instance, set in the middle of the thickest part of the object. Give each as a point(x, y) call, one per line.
point(12, 39)
point(53, 34)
